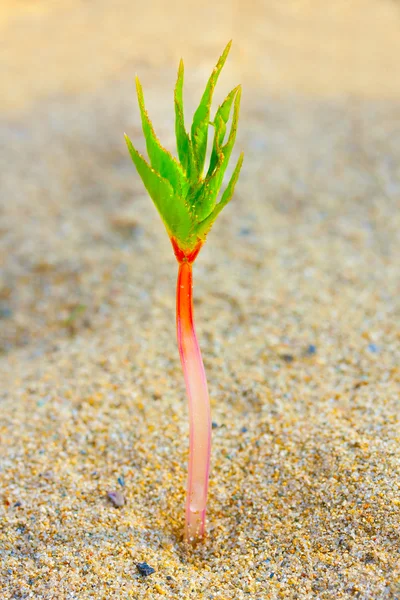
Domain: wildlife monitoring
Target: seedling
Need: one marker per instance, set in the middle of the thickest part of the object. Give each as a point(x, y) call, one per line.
point(187, 200)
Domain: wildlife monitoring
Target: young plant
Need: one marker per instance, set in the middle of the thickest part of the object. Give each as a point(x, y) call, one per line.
point(187, 200)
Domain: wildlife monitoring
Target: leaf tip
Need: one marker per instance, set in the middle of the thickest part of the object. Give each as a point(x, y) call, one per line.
point(238, 91)
point(139, 89)
point(226, 50)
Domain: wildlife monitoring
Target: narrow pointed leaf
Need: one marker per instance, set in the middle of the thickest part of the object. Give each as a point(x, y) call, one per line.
point(159, 189)
point(208, 193)
point(183, 142)
point(201, 119)
point(161, 160)
point(224, 152)
point(230, 188)
point(171, 207)
point(205, 226)
point(220, 121)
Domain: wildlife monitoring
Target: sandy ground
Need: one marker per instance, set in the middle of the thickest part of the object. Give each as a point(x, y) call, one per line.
point(297, 305)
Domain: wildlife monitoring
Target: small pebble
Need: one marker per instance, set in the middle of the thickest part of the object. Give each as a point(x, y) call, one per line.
point(245, 231)
point(311, 350)
point(116, 498)
point(125, 223)
point(214, 425)
point(145, 569)
point(373, 348)
point(287, 358)
point(121, 480)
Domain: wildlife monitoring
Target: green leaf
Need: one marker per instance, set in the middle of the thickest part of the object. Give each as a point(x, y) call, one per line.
point(205, 226)
point(183, 142)
point(207, 196)
point(230, 188)
point(224, 152)
point(220, 121)
point(159, 189)
point(161, 160)
point(201, 119)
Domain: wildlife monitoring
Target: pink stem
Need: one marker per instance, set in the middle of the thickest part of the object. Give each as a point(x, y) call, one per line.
point(199, 406)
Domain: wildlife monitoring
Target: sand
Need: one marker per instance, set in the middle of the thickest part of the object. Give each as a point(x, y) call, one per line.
point(297, 307)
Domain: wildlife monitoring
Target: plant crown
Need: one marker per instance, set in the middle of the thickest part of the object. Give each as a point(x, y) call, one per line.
point(184, 196)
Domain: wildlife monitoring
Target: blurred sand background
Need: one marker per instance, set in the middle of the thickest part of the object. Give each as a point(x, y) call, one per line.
point(297, 304)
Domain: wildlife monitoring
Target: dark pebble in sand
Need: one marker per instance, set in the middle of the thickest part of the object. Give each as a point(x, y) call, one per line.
point(287, 358)
point(214, 425)
point(145, 569)
point(121, 481)
point(116, 498)
point(245, 231)
point(311, 350)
